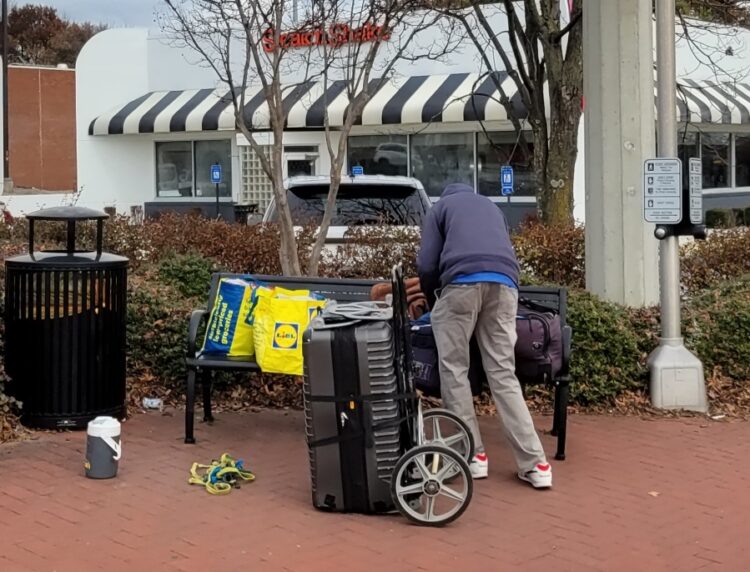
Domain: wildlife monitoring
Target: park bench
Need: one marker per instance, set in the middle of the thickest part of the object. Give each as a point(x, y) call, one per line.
point(200, 366)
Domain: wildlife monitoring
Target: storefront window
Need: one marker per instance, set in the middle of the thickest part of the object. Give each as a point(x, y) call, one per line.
point(182, 166)
point(687, 148)
point(495, 150)
point(301, 160)
point(174, 169)
point(742, 160)
point(208, 153)
point(379, 154)
point(715, 159)
point(438, 159)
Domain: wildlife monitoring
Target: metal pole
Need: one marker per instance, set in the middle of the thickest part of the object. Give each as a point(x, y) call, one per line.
point(669, 263)
point(676, 375)
point(217, 201)
point(6, 147)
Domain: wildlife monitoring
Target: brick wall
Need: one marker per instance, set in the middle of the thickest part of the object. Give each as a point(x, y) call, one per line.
point(42, 125)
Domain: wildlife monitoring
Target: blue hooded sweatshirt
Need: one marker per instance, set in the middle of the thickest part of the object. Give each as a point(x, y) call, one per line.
point(464, 233)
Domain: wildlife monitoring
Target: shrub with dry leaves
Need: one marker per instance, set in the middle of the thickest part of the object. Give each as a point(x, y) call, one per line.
point(172, 259)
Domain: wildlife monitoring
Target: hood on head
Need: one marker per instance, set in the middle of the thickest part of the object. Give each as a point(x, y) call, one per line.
point(455, 188)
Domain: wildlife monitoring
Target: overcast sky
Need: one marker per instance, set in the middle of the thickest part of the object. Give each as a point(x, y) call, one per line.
point(113, 13)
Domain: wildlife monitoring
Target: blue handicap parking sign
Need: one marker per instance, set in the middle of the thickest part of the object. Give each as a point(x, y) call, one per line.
point(506, 176)
point(216, 173)
point(358, 170)
point(506, 180)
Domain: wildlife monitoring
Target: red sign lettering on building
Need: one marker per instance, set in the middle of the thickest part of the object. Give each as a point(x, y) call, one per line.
point(336, 36)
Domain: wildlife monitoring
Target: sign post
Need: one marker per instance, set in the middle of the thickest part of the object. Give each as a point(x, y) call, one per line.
point(676, 375)
point(216, 179)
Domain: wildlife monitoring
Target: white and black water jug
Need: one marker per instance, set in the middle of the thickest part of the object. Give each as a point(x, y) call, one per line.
point(103, 448)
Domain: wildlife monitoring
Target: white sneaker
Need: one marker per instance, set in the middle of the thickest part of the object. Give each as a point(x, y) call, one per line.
point(540, 476)
point(479, 466)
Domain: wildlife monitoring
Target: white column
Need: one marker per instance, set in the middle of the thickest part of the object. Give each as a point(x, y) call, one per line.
point(621, 251)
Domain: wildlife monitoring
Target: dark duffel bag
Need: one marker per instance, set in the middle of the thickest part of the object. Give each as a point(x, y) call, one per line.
point(538, 351)
point(539, 348)
point(425, 361)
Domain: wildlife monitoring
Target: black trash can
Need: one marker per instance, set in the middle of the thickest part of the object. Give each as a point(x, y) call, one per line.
point(65, 327)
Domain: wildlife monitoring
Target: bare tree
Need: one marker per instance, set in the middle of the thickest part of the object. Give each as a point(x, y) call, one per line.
point(251, 45)
point(542, 51)
point(727, 12)
point(362, 68)
point(541, 47)
point(241, 42)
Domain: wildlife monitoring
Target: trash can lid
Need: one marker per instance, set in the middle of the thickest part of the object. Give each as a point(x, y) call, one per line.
point(104, 427)
point(68, 213)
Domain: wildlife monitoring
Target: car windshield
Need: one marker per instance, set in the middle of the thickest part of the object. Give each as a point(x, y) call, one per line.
point(356, 205)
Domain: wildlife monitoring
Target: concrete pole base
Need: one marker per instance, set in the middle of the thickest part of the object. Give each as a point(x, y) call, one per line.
point(677, 380)
point(8, 186)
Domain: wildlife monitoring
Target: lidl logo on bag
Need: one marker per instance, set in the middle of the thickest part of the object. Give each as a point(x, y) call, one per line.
point(285, 336)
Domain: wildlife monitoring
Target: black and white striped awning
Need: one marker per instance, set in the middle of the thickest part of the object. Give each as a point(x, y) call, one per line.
point(718, 103)
point(398, 101)
point(412, 100)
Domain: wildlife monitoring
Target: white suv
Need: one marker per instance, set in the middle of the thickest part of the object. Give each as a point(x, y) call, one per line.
point(361, 200)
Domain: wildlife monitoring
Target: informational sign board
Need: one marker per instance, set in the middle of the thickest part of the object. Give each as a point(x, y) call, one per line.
point(506, 180)
point(696, 191)
point(358, 170)
point(216, 173)
point(662, 191)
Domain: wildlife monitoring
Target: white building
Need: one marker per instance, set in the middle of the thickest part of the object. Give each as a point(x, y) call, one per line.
point(151, 124)
point(152, 121)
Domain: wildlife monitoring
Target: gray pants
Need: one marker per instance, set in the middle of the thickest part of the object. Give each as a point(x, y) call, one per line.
point(489, 311)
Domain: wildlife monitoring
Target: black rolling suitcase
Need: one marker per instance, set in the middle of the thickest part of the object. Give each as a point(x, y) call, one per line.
point(352, 413)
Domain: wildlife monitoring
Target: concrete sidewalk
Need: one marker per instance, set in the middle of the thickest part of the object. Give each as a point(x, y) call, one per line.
point(634, 494)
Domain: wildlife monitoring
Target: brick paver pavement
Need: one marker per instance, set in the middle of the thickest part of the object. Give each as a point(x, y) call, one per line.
point(634, 494)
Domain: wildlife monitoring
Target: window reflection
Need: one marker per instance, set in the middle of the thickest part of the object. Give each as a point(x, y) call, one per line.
point(174, 169)
point(208, 153)
point(715, 160)
point(439, 159)
point(495, 150)
point(379, 154)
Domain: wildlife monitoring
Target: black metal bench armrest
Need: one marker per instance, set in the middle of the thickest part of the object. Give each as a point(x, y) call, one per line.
point(567, 347)
point(195, 322)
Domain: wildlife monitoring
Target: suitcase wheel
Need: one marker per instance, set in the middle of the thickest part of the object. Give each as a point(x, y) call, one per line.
point(431, 485)
point(443, 427)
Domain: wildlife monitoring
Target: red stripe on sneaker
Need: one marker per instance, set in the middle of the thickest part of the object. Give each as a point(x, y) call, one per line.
point(480, 457)
point(543, 468)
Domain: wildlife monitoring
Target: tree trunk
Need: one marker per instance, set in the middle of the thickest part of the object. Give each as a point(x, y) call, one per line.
point(555, 199)
point(288, 254)
point(337, 164)
point(313, 264)
point(556, 189)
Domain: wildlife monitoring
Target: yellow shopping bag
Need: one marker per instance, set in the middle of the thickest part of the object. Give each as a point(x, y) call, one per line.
point(230, 326)
point(279, 322)
point(316, 302)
